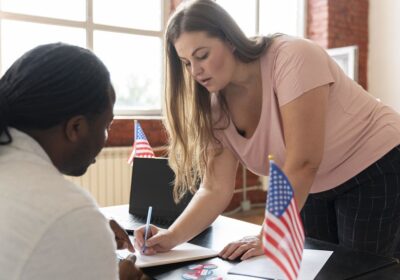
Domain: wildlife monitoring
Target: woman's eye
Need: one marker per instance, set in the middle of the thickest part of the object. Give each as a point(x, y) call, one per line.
point(204, 56)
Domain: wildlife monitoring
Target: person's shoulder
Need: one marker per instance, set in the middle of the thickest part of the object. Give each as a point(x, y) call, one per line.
point(290, 44)
point(67, 194)
point(69, 197)
point(78, 192)
point(288, 50)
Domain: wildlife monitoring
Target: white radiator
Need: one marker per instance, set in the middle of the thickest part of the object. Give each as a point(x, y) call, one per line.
point(109, 179)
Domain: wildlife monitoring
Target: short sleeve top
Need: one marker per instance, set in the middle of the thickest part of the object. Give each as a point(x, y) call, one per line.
point(359, 128)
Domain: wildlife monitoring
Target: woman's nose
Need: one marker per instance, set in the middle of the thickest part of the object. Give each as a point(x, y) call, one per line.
point(196, 70)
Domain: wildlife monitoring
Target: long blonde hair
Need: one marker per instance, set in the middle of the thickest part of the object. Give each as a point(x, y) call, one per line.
point(188, 104)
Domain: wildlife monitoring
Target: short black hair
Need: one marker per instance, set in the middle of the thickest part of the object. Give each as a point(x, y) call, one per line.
point(50, 84)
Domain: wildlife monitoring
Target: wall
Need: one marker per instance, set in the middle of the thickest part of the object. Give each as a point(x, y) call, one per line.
point(317, 22)
point(340, 23)
point(384, 56)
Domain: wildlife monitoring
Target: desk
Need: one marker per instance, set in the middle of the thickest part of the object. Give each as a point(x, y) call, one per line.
point(343, 264)
point(391, 272)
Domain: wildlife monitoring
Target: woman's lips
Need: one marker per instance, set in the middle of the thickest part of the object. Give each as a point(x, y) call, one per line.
point(205, 82)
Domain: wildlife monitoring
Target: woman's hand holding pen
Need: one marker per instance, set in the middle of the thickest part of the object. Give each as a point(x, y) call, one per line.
point(158, 240)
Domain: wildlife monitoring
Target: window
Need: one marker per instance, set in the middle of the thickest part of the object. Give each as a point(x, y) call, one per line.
point(268, 16)
point(347, 59)
point(126, 34)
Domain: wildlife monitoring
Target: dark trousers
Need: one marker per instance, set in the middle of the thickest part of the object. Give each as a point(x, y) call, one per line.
point(362, 213)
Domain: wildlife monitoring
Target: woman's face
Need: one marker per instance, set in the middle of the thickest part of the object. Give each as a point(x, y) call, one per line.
point(209, 60)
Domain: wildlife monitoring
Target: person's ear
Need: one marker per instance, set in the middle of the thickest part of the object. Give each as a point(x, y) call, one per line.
point(75, 128)
point(231, 46)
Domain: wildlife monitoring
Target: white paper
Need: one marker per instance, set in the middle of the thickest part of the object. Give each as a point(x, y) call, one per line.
point(181, 253)
point(262, 267)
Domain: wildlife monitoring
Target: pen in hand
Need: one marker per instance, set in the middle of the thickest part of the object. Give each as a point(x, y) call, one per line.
point(146, 230)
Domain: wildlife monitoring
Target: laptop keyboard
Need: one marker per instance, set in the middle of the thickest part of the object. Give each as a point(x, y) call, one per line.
point(163, 223)
point(131, 222)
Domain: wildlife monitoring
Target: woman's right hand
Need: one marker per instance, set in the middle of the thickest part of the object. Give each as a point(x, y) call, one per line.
point(158, 240)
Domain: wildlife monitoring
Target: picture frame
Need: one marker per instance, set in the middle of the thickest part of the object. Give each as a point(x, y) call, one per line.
point(347, 59)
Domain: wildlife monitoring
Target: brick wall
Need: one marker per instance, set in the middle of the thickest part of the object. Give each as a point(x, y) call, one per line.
point(121, 133)
point(339, 23)
point(317, 21)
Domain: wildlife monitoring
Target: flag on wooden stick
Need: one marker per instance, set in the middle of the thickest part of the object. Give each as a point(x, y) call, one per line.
point(283, 233)
point(141, 147)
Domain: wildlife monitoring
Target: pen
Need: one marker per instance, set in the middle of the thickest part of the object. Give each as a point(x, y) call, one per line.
point(146, 230)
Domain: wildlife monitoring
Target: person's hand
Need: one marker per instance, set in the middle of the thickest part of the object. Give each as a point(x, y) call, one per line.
point(128, 270)
point(158, 240)
point(245, 248)
point(121, 237)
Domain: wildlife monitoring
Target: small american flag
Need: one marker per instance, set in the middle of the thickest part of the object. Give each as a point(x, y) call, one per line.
point(141, 147)
point(283, 234)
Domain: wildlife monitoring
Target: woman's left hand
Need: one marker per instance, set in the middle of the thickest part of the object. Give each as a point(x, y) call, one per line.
point(121, 237)
point(245, 248)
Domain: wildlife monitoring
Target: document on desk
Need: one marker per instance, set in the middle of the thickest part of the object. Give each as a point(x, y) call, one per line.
point(181, 253)
point(262, 267)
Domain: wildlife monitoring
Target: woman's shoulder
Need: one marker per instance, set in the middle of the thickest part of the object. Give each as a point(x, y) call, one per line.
point(287, 41)
point(288, 49)
point(290, 44)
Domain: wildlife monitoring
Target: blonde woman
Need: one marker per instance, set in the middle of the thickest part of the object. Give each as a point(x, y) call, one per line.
point(232, 99)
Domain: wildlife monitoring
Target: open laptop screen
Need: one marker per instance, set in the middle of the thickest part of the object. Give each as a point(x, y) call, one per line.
point(152, 185)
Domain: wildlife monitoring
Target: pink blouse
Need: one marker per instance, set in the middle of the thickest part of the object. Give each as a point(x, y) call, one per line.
point(359, 128)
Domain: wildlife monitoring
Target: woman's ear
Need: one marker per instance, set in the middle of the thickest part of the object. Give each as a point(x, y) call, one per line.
point(76, 127)
point(231, 46)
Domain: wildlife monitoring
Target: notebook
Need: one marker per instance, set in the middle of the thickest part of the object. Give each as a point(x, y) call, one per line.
point(152, 185)
point(181, 253)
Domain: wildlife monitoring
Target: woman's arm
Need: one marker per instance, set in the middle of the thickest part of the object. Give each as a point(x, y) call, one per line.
point(304, 129)
point(304, 122)
point(209, 201)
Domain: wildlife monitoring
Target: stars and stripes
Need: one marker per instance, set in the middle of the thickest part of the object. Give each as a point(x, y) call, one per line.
point(141, 147)
point(283, 234)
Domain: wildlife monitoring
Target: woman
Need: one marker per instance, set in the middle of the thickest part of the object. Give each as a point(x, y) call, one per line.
point(232, 99)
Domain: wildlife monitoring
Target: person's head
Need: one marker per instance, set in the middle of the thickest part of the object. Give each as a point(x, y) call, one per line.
point(205, 27)
point(61, 95)
point(203, 45)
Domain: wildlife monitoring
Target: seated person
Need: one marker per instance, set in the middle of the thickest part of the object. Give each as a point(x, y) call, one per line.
point(56, 105)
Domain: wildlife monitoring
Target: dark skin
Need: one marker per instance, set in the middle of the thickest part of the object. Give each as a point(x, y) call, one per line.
point(129, 271)
point(72, 146)
point(121, 237)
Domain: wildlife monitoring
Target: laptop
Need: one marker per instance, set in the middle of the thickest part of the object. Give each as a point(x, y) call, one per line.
point(152, 185)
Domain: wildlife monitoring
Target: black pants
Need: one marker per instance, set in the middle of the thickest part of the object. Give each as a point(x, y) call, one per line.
point(362, 213)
